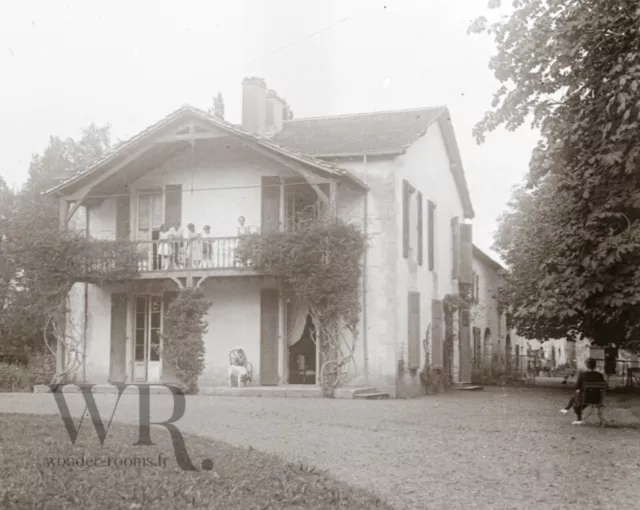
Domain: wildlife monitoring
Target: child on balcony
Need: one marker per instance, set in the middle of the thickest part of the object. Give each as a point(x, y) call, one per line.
point(207, 247)
point(164, 248)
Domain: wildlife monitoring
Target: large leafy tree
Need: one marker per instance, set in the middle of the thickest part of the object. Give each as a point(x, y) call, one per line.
point(571, 236)
point(39, 261)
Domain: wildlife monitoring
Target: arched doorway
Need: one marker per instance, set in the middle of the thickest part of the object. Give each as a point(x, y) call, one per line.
point(486, 348)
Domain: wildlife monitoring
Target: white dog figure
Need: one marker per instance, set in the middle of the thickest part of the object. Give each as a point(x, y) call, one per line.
point(240, 368)
point(240, 373)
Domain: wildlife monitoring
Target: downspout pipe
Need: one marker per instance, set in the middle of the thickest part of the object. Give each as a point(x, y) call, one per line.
point(86, 313)
point(365, 346)
point(84, 332)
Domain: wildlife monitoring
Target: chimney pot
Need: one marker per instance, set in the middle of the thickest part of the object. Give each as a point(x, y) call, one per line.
point(275, 113)
point(254, 105)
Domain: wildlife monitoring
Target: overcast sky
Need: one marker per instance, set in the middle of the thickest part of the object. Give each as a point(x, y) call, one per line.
point(66, 64)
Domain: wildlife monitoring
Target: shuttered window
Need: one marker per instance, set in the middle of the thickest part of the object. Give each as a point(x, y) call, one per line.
point(406, 206)
point(437, 333)
point(455, 244)
point(431, 235)
point(466, 254)
point(419, 216)
point(413, 340)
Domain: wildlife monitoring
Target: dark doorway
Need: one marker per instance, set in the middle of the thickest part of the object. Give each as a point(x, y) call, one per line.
point(302, 357)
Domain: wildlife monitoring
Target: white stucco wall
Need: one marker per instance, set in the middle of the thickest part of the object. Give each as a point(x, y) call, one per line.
point(233, 323)
point(426, 167)
point(95, 342)
point(214, 192)
point(485, 314)
point(102, 220)
point(559, 344)
point(381, 267)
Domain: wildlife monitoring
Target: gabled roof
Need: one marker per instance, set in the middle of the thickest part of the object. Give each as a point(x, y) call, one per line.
point(372, 133)
point(478, 253)
point(388, 133)
point(189, 111)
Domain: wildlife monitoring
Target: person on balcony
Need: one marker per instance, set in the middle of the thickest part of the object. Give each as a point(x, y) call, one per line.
point(194, 246)
point(207, 247)
point(242, 229)
point(175, 234)
point(164, 248)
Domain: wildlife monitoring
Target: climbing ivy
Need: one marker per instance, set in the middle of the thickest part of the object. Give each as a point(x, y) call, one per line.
point(321, 261)
point(183, 337)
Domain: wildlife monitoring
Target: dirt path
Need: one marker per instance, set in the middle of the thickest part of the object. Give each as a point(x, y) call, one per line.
point(498, 449)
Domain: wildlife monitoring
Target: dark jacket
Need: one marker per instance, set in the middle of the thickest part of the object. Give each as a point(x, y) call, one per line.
point(590, 376)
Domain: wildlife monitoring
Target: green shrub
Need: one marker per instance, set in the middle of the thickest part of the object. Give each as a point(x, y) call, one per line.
point(13, 377)
point(42, 368)
point(183, 343)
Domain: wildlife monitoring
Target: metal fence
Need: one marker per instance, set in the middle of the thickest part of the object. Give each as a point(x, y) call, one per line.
point(506, 369)
point(532, 369)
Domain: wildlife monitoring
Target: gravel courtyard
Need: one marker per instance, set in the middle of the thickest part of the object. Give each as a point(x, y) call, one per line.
point(499, 448)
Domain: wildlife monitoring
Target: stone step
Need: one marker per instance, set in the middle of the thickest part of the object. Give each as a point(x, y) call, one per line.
point(371, 396)
point(467, 387)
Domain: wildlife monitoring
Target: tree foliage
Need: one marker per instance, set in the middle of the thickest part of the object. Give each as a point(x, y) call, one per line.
point(287, 112)
point(218, 106)
point(321, 261)
point(40, 262)
point(571, 236)
point(183, 337)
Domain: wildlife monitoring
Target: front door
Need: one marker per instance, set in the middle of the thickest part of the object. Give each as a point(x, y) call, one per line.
point(269, 313)
point(119, 307)
point(148, 342)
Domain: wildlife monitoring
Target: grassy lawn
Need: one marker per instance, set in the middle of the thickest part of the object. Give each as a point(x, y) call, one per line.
point(34, 450)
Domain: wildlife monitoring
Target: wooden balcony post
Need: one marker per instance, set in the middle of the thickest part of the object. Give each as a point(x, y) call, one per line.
point(283, 212)
point(333, 202)
point(64, 210)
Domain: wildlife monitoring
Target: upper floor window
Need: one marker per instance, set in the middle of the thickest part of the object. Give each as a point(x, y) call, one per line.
point(431, 235)
point(412, 229)
point(150, 212)
point(475, 288)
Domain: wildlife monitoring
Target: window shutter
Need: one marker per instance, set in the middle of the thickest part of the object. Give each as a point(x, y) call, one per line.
point(406, 195)
point(413, 340)
point(466, 253)
point(420, 240)
point(437, 333)
point(173, 205)
point(455, 242)
point(431, 235)
point(123, 217)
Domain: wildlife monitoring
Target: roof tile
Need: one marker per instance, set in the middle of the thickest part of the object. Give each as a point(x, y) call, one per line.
point(367, 133)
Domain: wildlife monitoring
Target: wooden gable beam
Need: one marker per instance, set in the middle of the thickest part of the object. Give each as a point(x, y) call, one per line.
point(192, 134)
point(187, 137)
point(298, 168)
point(79, 196)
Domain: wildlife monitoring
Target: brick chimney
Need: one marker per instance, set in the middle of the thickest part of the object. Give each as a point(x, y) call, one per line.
point(254, 105)
point(275, 113)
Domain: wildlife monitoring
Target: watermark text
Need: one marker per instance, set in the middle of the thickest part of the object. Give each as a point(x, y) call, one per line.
point(123, 461)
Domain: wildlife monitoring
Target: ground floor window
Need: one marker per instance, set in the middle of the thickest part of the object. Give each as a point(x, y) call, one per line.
point(148, 342)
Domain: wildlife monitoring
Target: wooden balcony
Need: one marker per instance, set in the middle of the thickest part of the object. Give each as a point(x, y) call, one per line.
point(181, 256)
point(186, 262)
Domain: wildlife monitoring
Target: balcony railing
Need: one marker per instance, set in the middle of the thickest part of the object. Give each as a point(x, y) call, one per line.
point(189, 254)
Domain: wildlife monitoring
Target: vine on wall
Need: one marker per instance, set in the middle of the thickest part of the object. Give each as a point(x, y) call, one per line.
point(321, 260)
point(451, 303)
point(183, 335)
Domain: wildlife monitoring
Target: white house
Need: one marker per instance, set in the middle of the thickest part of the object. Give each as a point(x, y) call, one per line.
point(495, 346)
point(397, 174)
